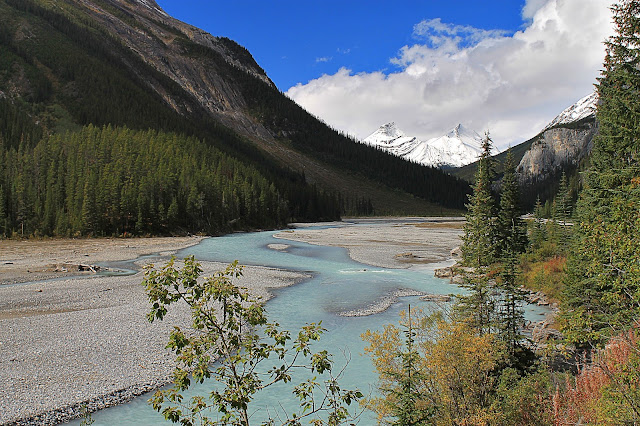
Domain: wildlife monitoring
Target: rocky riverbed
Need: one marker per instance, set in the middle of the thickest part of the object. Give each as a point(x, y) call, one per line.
point(83, 340)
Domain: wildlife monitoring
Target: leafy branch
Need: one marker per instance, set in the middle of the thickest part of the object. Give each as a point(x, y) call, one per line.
point(231, 327)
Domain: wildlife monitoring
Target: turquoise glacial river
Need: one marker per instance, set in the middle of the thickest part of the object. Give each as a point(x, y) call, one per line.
point(337, 285)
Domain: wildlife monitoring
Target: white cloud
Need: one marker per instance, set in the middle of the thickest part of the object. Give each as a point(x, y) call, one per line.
point(324, 59)
point(438, 33)
point(512, 85)
point(531, 7)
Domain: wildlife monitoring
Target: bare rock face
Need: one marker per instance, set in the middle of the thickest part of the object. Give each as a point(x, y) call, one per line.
point(564, 142)
point(191, 57)
point(557, 147)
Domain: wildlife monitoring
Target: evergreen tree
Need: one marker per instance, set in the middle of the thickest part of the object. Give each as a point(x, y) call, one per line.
point(562, 207)
point(3, 213)
point(511, 307)
point(511, 230)
point(603, 283)
point(409, 391)
point(478, 248)
point(538, 228)
point(478, 306)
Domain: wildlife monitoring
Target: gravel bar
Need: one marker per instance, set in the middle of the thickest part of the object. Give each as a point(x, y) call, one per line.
point(69, 343)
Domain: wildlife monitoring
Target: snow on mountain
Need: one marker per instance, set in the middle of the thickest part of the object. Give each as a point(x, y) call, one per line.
point(458, 147)
point(581, 109)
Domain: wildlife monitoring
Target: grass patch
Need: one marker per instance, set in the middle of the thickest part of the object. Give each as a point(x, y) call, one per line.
point(546, 276)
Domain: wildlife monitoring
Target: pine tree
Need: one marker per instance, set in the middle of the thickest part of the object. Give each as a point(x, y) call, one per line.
point(478, 248)
point(89, 211)
point(3, 213)
point(538, 229)
point(603, 284)
point(478, 305)
point(510, 320)
point(562, 207)
point(409, 390)
point(511, 230)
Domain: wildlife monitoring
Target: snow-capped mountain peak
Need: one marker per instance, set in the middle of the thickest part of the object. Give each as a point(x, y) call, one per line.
point(386, 133)
point(456, 148)
point(463, 133)
point(581, 109)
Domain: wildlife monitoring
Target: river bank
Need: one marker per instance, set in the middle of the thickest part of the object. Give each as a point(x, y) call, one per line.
point(36, 260)
point(86, 340)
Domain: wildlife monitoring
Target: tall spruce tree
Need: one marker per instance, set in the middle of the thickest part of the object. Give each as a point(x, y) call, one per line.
point(510, 311)
point(511, 230)
point(478, 304)
point(3, 213)
point(408, 388)
point(478, 247)
point(538, 229)
point(603, 283)
point(562, 207)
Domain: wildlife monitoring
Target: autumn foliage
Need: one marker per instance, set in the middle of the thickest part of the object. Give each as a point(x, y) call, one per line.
point(607, 390)
point(456, 367)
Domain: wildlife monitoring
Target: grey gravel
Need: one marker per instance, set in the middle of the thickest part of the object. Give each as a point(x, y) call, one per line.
point(67, 343)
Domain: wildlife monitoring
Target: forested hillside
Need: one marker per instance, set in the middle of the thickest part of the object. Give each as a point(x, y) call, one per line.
point(110, 181)
point(64, 66)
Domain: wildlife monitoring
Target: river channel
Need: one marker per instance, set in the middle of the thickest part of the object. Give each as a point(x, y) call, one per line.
point(337, 286)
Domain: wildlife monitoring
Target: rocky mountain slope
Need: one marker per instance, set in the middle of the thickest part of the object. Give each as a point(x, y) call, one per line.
point(560, 146)
point(71, 63)
point(564, 142)
point(187, 55)
point(458, 147)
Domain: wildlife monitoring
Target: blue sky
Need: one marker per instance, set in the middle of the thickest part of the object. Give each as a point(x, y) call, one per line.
point(297, 41)
point(507, 66)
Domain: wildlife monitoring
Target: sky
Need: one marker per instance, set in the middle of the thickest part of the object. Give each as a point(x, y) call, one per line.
point(503, 66)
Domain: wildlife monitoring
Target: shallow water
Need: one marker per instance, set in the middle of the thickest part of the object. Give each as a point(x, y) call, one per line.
point(338, 285)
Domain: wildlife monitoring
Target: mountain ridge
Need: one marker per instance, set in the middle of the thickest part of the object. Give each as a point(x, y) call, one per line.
point(458, 147)
point(128, 64)
point(561, 146)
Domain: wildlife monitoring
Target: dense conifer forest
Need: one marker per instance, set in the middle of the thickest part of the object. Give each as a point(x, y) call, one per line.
point(116, 181)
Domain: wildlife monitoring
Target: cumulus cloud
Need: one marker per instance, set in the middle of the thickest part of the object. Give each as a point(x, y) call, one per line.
point(512, 85)
point(438, 33)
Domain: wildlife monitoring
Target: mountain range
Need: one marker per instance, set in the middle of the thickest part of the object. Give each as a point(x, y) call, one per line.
point(462, 146)
point(561, 146)
point(458, 147)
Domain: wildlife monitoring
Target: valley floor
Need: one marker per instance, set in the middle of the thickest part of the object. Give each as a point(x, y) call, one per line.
point(85, 339)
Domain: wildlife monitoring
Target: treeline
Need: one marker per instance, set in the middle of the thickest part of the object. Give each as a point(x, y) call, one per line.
point(116, 181)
